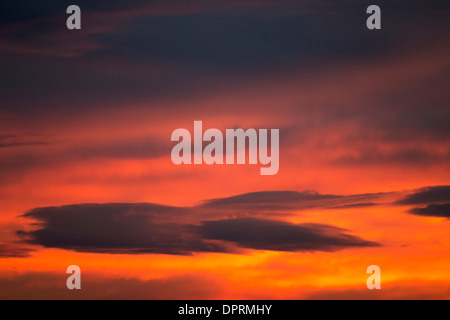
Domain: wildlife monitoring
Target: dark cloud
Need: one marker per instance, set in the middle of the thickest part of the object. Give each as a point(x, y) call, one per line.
point(433, 210)
point(193, 42)
point(283, 201)
point(435, 194)
point(9, 141)
point(357, 205)
point(151, 228)
point(267, 197)
point(217, 225)
point(133, 54)
point(262, 234)
point(117, 228)
point(42, 30)
point(14, 250)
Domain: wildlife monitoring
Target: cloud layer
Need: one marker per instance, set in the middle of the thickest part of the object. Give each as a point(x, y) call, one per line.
point(433, 210)
point(151, 228)
point(435, 198)
point(427, 195)
point(247, 221)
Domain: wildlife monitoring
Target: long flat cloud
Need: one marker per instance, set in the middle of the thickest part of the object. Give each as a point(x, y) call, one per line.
point(286, 201)
point(151, 228)
point(116, 228)
point(427, 195)
point(227, 225)
point(433, 210)
point(275, 235)
point(431, 201)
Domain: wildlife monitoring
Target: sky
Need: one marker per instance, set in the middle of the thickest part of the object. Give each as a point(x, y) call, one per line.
point(86, 176)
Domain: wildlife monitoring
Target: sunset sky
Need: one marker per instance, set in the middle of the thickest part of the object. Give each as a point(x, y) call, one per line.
point(86, 176)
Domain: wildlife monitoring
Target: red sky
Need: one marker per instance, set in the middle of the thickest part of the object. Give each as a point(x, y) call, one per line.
point(85, 125)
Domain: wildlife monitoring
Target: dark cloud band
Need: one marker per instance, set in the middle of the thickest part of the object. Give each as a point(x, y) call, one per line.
point(436, 194)
point(433, 210)
point(150, 228)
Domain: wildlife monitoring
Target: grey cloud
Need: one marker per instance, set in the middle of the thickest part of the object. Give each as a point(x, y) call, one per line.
point(217, 225)
point(270, 197)
point(435, 194)
point(357, 205)
point(117, 228)
point(263, 234)
point(285, 201)
point(433, 210)
point(151, 228)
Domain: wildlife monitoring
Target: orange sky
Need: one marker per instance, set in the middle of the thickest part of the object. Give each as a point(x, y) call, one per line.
point(351, 124)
